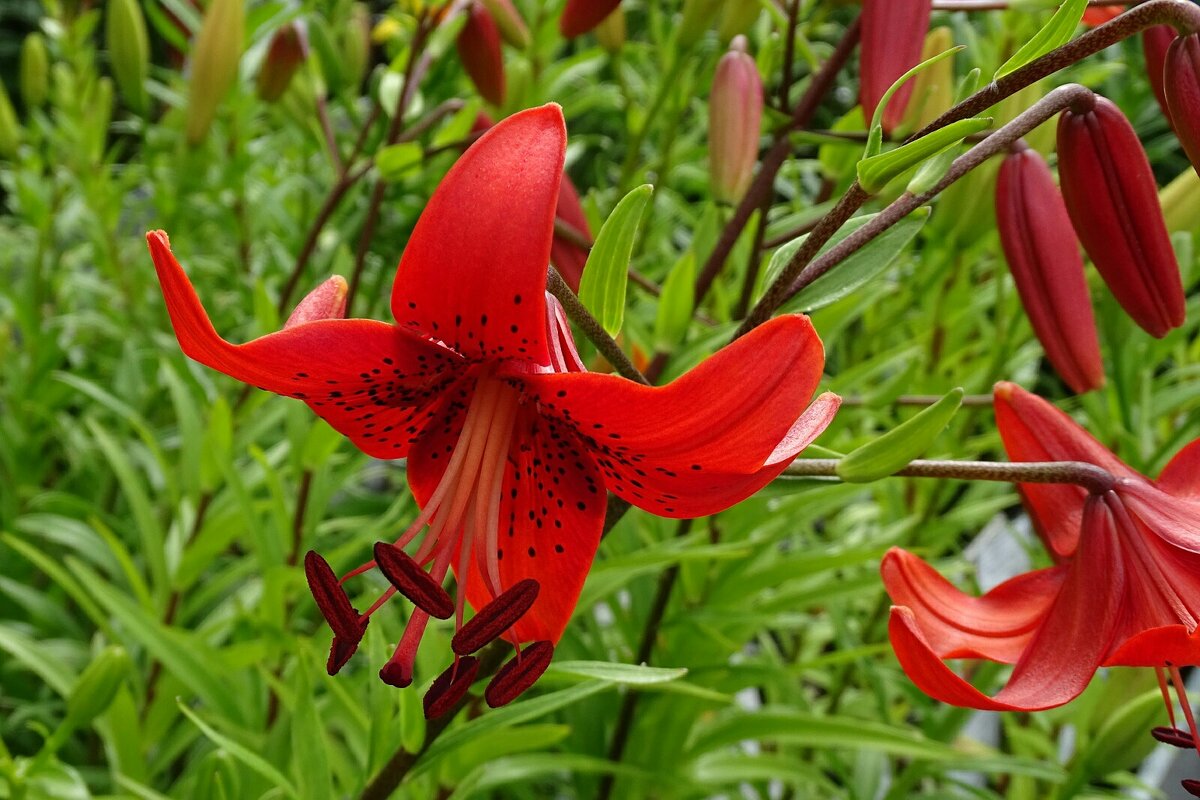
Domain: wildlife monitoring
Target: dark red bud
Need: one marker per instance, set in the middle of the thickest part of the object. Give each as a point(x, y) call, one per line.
point(403, 572)
point(1174, 737)
point(496, 617)
point(331, 598)
point(479, 50)
point(450, 687)
point(1039, 244)
point(1183, 93)
point(342, 648)
point(1190, 786)
point(1113, 203)
point(521, 672)
point(1155, 42)
point(286, 52)
point(893, 35)
point(580, 16)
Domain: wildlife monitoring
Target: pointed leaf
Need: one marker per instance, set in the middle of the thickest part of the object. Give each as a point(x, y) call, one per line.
point(1053, 34)
point(892, 451)
point(606, 274)
point(875, 172)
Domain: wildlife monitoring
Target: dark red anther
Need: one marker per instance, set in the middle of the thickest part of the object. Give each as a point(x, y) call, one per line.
point(331, 598)
point(1173, 736)
point(403, 572)
point(450, 687)
point(342, 648)
point(1190, 786)
point(495, 618)
point(394, 674)
point(521, 672)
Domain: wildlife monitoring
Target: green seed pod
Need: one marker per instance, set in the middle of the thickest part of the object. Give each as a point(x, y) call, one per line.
point(129, 51)
point(356, 44)
point(10, 128)
point(215, 60)
point(35, 71)
point(96, 687)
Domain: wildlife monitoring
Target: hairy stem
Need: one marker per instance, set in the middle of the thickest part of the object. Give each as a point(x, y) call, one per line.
point(592, 328)
point(1091, 477)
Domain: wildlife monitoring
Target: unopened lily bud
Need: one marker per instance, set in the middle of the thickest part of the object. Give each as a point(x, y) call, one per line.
point(1183, 93)
point(1113, 202)
point(580, 16)
point(698, 17)
point(933, 88)
point(356, 44)
point(10, 127)
point(734, 117)
point(96, 687)
point(286, 52)
point(611, 31)
point(509, 21)
point(1155, 42)
point(893, 34)
point(737, 17)
point(327, 301)
point(34, 77)
point(1043, 256)
point(479, 50)
point(214, 67)
point(128, 50)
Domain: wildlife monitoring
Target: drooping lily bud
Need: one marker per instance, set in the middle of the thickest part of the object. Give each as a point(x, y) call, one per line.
point(580, 16)
point(509, 21)
point(355, 44)
point(215, 60)
point(1155, 42)
point(479, 50)
point(1043, 256)
point(128, 50)
point(34, 75)
point(893, 33)
point(734, 118)
point(1183, 93)
point(1113, 203)
point(610, 33)
point(286, 52)
point(327, 301)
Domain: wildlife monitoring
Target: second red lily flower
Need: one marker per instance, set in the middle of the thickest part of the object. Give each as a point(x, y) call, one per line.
point(511, 449)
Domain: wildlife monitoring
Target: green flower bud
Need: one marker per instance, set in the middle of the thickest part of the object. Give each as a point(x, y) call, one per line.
point(10, 128)
point(97, 686)
point(737, 17)
point(215, 60)
point(128, 51)
point(611, 31)
point(698, 17)
point(34, 77)
point(356, 44)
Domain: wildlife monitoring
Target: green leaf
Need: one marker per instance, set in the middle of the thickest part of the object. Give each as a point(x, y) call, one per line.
point(606, 274)
point(908, 440)
point(393, 160)
point(876, 135)
point(1054, 34)
point(631, 674)
point(875, 172)
point(858, 269)
point(675, 304)
point(239, 751)
point(310, 748)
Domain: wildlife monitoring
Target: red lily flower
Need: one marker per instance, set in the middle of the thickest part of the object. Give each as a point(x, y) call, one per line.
point(1125, 590)
point(510, 445)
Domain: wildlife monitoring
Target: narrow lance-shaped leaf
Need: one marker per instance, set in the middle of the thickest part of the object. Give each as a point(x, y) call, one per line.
point(875, 140)
point(875, 172)
point(602, 288)
point(892, 451)
point(1053, 34)
point(675, 304)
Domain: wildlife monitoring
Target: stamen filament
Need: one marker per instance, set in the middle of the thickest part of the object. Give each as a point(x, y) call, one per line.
point(1177, 680)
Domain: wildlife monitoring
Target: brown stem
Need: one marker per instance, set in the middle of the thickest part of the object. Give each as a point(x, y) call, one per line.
point(1091, 477)
point(1003, 5)
point(1184, 16)
point(592, 328)
point(330, 140)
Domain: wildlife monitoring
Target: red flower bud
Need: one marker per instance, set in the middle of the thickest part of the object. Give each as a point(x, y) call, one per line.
point(479, 50)
point(1183, 93)
point(893, 34)
point(566, 254)
point(1155, 42)
point(1043, 256)
point(734, 119)
point(580, 16)
point(1113, 202)
point(287, 51)
point(327, 301)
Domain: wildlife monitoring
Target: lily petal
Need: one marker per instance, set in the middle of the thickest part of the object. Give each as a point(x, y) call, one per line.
point(710, 438)
point(996, 626)
point(371, 381)
point(1154, 647)
point(474, 272)
point(1034, 430)
point(1181, 475)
